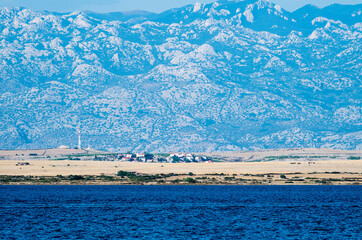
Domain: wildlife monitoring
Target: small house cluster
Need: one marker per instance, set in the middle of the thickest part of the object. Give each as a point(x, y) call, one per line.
point(159, 158)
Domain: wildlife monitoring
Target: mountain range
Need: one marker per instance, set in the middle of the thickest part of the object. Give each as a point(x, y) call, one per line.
point(230, 75)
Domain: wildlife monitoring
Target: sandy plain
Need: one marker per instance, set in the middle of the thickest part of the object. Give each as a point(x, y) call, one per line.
point(67, 167)
point(301, 166)
point(303, 153)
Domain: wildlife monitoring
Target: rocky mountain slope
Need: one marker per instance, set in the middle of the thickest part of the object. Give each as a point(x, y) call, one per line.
point(232, 75)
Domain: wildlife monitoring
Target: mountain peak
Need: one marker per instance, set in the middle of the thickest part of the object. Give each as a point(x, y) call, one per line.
point(204, 77)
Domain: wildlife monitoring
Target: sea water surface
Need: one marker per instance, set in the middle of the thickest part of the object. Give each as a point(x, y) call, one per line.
point(180, 212)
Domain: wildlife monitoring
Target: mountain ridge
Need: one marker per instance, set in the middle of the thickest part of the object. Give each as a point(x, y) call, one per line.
point(215, 79)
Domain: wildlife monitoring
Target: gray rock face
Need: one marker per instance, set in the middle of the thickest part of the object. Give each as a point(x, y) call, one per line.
point(224, 76)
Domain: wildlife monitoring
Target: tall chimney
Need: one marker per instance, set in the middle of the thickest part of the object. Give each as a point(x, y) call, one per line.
point(79, 141)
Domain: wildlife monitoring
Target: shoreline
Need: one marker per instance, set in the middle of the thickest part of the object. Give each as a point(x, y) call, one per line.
point(103, 184)
point(280, 172)
point(178, 185)
point(110, 168)
point(133, 178)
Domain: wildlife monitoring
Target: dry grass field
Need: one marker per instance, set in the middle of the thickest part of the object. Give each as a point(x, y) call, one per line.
point(285, 154)
point(314, 165)
point(45, 153)
point(54, 168)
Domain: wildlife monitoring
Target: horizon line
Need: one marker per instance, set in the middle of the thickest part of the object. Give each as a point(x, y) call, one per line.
point(157, 13)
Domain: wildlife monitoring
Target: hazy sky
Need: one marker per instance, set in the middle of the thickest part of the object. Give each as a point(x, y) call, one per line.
point(148, 5)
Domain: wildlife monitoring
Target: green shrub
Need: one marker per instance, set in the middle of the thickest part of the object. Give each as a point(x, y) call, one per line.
point(229, 178)
point(323, 181)
point(126, 174)
point(75, 177)
point(149, 156)
point(175, 181)
point(190, 180)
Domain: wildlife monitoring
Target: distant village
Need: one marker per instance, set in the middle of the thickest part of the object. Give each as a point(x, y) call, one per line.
point(64, 152)
point(87, 154)
point(154, 158)
point(142, 157)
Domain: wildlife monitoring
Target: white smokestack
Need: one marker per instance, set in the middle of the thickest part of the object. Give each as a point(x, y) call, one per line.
point(79, 141)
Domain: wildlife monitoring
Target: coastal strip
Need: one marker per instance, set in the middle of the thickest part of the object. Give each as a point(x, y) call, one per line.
point(328, 172)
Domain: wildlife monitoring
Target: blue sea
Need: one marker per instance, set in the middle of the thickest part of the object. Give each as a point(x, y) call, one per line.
point(180, 212)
